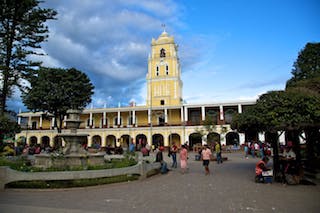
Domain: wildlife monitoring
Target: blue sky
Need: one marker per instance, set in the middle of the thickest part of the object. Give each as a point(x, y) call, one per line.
point(229, 50)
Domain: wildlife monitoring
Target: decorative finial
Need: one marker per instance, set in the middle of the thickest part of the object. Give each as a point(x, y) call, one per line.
point(164, 27)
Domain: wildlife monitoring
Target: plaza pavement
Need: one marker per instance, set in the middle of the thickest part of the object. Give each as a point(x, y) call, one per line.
point(229, 188)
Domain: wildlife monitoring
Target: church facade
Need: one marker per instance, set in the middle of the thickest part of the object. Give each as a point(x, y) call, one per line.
point(164, 120)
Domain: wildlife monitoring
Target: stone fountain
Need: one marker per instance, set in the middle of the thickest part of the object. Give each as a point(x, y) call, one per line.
point(73, 154)
point(73, 139)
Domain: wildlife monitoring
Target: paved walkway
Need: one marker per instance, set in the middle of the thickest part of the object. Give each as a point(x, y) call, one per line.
point(230, 188)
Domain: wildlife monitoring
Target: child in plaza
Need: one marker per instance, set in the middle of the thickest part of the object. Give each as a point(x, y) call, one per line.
point(183, 159)
point(206, 157)
point(261, 166)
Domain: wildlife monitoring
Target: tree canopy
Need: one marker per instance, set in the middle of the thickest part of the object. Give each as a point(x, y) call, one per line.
point(307, 65)
point(284, 110)
point(297, 107)
point(56, 90)
point(8, 127)
point(22, 30)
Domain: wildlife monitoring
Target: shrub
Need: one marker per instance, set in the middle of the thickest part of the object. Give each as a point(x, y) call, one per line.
point(71, 183)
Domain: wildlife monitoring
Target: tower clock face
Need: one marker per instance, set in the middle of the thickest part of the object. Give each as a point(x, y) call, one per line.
point(161, 61)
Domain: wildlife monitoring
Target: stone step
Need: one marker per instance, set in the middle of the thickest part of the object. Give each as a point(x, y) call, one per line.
point(312, 173)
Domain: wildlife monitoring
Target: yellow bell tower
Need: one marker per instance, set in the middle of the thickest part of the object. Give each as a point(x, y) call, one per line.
point(164, 83)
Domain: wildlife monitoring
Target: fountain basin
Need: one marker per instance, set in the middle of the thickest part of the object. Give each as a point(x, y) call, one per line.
point(70, 161)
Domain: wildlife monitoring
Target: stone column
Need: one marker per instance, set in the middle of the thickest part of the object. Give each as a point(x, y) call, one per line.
point(89, 141)
point(241, 138)
point(182, 114)
point(166, 140)
point(90, 120)
point(104, 141)
point(282, 138)
point(223, 139)
point(183, 137)
point(221, 113)
point(203, 113)
point(149, 116)
point(51, 141)
point(165, 115)
point(40, 123)
point(52, 122)
point(29, 122)
point(19, 118)
point(185, 114)
point(239, 108)
point(104, 117)
point(118, 118)
point(64, 121)
point(204, 140)
point(133, 117)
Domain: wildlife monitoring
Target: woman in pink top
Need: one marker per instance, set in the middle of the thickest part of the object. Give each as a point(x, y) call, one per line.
point(206, 156)
point(183, 158)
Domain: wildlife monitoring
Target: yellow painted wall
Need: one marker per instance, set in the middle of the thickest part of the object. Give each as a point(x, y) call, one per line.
point(142, 118)
point(174, 117)
point(46, 123)
point(97, 119)
point(84, 118)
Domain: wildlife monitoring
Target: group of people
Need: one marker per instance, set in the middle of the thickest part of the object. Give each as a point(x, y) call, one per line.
point(25, 149)
point(206, 156)
point(172, 152)
point(289, 167)
point(256, 149)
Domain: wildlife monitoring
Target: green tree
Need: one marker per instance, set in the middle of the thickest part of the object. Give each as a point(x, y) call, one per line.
point(8, 127)
point(22, 30)
point(248, 121)
point(292, 111)
point(307, 65)
point(306, 79)
point(55, 91)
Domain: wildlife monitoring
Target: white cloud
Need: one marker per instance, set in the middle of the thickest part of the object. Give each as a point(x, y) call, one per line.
point(109, 40)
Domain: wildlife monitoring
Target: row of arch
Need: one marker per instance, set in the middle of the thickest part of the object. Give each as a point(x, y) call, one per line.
point(157, 140)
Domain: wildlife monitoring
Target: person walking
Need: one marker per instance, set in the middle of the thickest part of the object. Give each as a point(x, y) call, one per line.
point(206, 156)
point(183, 159)
point(246, 150)
point(173, 153)
point(218, 152)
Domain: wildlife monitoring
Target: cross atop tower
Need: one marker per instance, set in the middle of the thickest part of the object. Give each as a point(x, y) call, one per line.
point(164, 27)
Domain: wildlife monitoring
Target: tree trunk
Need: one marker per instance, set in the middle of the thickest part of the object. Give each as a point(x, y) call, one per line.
point(274, 140)
point(4, 92)
point(293, 135)
point(60, 123)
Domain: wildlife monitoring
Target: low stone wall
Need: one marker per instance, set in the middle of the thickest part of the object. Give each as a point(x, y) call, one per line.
point(8, 175)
